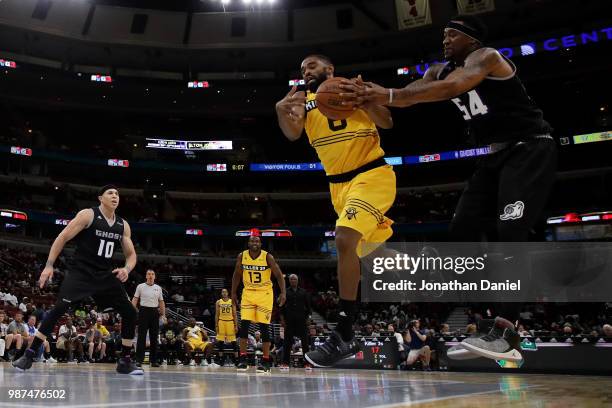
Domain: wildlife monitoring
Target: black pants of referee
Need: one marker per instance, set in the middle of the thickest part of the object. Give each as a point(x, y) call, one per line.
point(148, 319)
point(294, 328)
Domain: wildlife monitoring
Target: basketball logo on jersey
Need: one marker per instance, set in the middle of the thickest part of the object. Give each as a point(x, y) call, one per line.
point(351, 213)
point(513, 211)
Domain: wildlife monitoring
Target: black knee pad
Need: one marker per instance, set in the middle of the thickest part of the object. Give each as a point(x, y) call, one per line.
point(244, 329)
point(47, 324)
point(265, 332)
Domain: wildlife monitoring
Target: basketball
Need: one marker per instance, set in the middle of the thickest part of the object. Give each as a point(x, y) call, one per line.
point(329, 102)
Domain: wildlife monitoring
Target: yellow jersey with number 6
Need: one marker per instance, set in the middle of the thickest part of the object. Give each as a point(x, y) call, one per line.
point(342, 145)
point(256, 272)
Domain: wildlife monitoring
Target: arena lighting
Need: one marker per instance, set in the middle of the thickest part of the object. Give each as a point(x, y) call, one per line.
point(61, 221)
point(198, 84)
point(15, 215)
point(101, 78)
point(118, 163)
point(21, 151)
point(8, 64)
point(531, 48)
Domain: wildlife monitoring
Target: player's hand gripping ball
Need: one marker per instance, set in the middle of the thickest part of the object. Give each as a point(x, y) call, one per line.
point(329, 101)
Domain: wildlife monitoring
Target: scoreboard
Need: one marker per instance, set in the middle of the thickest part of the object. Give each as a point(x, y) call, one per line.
point(189, 144)
point(376, 353)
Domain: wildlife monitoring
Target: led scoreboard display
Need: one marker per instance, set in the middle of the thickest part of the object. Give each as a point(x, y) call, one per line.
point(376, 353)
point(189, 144)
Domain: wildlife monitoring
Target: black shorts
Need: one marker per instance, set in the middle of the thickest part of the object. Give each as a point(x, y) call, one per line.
point(507, 193)
point(106, 291)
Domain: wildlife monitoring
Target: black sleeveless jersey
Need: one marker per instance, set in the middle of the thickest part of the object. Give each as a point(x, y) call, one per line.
point(499, 109)
point(96, 245)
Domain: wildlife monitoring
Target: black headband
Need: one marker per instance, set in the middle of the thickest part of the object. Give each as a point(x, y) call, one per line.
point(103, 189)
point(467, 30)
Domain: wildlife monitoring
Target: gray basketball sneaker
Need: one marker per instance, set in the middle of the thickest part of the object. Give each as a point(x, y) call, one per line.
point(502, 343)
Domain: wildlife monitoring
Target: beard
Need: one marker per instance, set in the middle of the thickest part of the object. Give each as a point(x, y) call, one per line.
point(313, 85)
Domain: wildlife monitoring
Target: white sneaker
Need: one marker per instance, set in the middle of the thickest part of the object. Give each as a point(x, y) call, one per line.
point(164, 363)
point(51, 360)
point(72, 362)
point(192, 363)
point(214, 365)
point(204, 363)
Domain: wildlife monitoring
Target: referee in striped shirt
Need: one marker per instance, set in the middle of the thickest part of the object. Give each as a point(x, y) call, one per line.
point(151, 307)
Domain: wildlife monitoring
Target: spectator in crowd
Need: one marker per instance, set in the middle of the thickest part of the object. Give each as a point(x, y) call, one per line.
point(93, 337)
point(418, 349)
point(22, 305)
point(3, 333)
point(80, 313)
point(8, 299)
point(114, 343)
point(256, 342)
point(68, 340)
point(45, 348)
point(171, 344)
point(607, 330)
point(445, 330)
point(17, 335)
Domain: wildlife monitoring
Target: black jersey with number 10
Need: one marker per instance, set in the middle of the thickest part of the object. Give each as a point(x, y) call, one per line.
point(96, 245)
point(499, 109)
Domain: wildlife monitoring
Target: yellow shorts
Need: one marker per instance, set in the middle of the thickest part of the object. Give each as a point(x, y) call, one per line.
point(197, 344)
point(256, 305)
point(361, 205)
point(226, 331)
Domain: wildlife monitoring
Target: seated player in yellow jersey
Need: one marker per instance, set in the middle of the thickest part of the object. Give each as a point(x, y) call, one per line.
point(254, 268)
point(196, 339)
point(226, 325)
point(362, 187)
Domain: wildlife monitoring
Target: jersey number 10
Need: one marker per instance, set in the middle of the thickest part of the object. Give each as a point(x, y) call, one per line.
point(106, 248)
point(476, 106)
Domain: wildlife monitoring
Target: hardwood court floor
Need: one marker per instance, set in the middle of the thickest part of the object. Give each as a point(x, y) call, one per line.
point(97, 385)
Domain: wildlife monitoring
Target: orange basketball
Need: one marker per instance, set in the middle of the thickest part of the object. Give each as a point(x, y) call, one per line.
point(329, 102)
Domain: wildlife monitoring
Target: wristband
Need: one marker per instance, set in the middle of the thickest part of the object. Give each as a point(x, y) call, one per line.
point(390, 96)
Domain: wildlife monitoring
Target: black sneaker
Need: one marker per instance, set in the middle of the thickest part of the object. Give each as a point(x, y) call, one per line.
point(154, 364)
point(502, 343)
point(333, 350)
point(263, 367)
point(23, 363)
point(459, 353)
point(128, 366)
point(242, 364)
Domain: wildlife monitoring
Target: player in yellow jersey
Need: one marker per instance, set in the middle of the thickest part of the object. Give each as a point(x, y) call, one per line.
point(254, 267)
point(362, 187)
point(196, 339)
point(226, 324)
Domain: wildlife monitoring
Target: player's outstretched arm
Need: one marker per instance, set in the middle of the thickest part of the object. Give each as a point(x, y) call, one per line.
point(478, 65)
point(291, 112)
point(279, 278)
point(236, 279)
point(81, 221)
point(380, 115)
point(130, 254)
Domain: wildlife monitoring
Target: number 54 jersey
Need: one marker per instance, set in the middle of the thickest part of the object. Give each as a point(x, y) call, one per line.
point(96, 245)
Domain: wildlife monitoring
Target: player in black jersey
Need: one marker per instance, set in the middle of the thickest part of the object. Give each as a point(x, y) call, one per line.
point(511, 185)
point(97, 232)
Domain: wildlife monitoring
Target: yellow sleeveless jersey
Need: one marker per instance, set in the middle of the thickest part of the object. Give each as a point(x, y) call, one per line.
point(342, 145)
point(225, 310)
point(256, 272)
point(195, 333)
